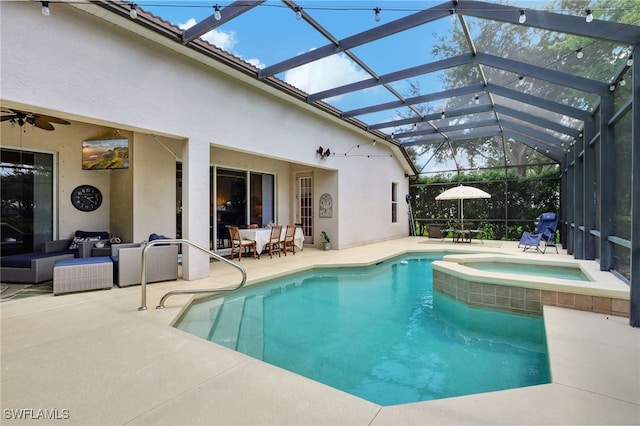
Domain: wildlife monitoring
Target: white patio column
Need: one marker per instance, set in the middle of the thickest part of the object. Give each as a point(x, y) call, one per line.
point(195, 208)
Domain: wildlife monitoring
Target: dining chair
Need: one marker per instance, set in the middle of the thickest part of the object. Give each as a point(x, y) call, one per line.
point(274, 244)
point(288, 243)
point(238, 245)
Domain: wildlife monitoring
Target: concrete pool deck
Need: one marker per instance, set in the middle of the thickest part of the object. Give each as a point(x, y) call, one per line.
point(93, 359)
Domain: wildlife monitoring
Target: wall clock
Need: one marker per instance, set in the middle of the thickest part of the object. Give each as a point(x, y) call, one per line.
point(326, 205)
point(86, 198)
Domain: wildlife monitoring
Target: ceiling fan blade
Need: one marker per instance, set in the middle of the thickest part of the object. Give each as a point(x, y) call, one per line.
point(52, 119)
point(42, 123)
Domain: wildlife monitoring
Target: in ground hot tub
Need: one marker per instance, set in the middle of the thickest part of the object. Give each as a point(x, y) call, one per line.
point(525, 285)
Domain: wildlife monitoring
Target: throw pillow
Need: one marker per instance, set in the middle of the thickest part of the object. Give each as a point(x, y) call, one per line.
point(75, 243)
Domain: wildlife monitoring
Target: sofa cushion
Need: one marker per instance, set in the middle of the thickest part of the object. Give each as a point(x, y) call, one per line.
point(24, 260)
point(83, 261)
point(154, 237)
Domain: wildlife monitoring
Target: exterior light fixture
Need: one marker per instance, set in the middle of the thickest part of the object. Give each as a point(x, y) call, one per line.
point(579, 53)
point(452, 16)
point(377, 11)
point(217, 15)
point(623, 82)
point(612, 87)
point(443, 116)
point(630, 61)
point(521, 80)
point(133, 13)
point(476, 100)
point(523, 17)
point(589, 15)
point(45, 8)
point(298, 13)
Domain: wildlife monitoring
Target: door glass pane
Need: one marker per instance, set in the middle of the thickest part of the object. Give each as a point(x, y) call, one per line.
point(262, 205)
point(306, 206)
point(231, 203)
point(26, 189)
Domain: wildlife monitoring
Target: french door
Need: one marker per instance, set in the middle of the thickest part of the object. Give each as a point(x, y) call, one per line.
point(305, 206)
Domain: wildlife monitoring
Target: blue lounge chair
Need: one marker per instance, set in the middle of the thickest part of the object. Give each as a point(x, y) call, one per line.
point(546, 232)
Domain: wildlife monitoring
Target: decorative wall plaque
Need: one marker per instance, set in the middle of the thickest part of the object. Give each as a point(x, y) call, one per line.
point(326, 205)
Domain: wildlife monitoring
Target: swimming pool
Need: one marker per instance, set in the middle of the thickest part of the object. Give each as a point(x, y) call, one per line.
point(379, 333)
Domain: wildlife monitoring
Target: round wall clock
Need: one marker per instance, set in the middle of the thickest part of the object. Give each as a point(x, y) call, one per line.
point(86, 198)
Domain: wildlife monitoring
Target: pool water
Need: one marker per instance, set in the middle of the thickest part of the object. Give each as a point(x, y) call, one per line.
point(378, 333)
point(547, 271)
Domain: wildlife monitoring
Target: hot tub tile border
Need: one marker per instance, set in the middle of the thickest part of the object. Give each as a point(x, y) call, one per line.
point(521, 299)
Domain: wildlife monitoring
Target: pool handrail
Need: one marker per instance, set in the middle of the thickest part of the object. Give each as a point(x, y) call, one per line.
point(143, 278)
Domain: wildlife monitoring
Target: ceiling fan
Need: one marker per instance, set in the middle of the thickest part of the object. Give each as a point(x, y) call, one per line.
point(38, 120)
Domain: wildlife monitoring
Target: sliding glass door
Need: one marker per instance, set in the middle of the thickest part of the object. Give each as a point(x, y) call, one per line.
point(241, 198)
point(26, 189)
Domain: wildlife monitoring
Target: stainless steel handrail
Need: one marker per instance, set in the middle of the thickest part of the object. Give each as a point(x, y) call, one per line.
point(143, 280)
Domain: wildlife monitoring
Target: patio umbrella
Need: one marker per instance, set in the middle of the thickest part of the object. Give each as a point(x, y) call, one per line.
point(462, 193)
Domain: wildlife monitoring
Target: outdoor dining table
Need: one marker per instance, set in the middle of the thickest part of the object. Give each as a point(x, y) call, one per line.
point(262, 235)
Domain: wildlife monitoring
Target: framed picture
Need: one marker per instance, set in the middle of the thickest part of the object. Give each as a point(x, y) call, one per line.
point(105, 154)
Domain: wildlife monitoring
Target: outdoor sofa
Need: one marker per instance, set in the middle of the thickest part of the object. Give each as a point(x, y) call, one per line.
point(37, 267)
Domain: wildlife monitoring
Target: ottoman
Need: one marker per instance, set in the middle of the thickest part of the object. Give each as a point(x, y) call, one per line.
point(80, 274)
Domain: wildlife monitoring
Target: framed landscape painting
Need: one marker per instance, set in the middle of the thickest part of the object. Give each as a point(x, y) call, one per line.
point(105, 154)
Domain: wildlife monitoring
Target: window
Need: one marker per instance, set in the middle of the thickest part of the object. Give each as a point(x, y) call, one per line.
point(394, 202)
point(26, 188)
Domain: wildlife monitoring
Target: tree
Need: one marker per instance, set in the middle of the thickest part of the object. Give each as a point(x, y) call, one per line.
point(528, 45)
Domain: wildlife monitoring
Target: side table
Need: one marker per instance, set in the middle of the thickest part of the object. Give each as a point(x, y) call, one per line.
point(101, 251)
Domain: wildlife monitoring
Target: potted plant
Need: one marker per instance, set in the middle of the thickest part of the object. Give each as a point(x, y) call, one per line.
point(326, 245)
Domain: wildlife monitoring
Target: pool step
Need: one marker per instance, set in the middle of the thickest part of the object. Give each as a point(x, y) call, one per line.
point(251, 337)
point(227, 325)
point(200, 319)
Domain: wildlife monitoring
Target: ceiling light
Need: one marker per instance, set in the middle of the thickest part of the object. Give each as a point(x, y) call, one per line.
point(579, 53)
point(217, 15)
point(589, 15)
point(523, 17)
point(377, 11)
point(630, 61)
point(298, 13)
point(45, 8)
point(133, 13)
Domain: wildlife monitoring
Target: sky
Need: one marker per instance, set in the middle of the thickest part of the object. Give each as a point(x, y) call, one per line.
point(270, 33)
